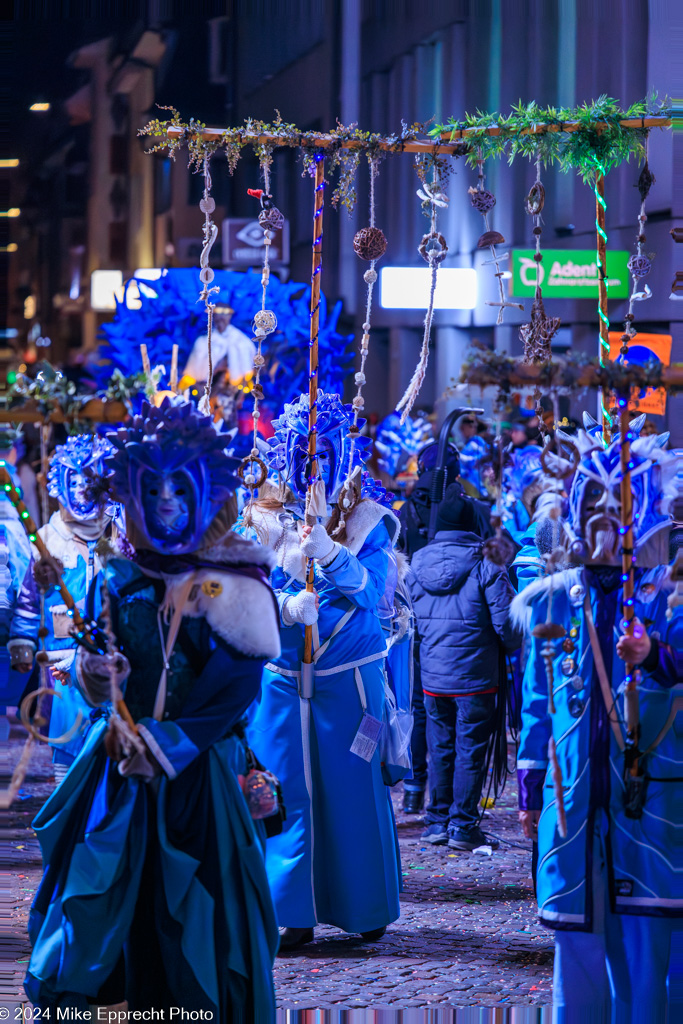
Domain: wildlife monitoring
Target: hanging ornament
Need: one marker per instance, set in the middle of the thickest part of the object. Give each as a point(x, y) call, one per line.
point(483, 202)
point(433, 249)
point(538, 334)
point(369, 244)
point(640, 264)
point(253, 470)
point(210, 232)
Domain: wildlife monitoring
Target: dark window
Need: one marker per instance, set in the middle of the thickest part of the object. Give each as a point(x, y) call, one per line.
point(118, 243)
point(118, 154)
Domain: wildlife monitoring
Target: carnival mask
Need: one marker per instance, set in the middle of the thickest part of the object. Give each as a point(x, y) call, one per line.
point(172, 474)
point(594, 516)
point(288, 452)
point(75, 477)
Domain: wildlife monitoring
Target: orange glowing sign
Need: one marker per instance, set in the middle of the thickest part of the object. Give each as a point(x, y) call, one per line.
point(642, 349)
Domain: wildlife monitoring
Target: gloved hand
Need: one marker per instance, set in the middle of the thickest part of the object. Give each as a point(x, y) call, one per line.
point(143, 766)
point(94, 677)
point(21, 655)
point(302, 608)
point(317, 543)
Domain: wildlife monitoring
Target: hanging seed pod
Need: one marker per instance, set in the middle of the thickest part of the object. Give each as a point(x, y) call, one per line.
point(639, 266)
point(370, 243)
point(433, 248)
point(490, 238)
point(645, 181)
point(481, 199)
point(207, 205)
point(271, 218)
point(535, 201)
point(265, 321)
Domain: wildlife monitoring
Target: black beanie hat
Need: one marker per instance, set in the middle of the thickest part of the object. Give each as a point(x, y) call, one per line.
point(455, 511)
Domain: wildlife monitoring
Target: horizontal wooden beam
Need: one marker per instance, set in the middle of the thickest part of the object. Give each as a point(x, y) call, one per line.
point(562, 126)
point(526, 375)
point(451, 139)
point(95, 410)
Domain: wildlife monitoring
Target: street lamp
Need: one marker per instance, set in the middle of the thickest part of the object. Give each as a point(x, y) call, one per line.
point(11, 162)
point(13, 211)
point(40, 108)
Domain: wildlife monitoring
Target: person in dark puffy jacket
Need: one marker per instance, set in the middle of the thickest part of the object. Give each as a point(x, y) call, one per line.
point(461, 603)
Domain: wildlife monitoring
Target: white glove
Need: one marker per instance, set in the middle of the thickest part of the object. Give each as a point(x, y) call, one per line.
point(319, 545)
point(300, 608)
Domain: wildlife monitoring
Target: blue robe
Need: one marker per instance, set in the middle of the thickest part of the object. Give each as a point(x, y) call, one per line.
point(81, 565)
point(337, 860)
point(643, 854)
point(157, 892)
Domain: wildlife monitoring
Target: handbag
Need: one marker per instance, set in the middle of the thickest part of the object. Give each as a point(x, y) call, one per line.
point(263, 794)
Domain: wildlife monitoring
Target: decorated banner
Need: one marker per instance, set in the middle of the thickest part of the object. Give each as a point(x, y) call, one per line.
point(569, 273)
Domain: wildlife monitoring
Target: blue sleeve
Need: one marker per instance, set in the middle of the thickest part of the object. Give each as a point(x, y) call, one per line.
point(217, 701)
point(362, 578)
point(499, 593)
point(536, 725)
point(26, 615)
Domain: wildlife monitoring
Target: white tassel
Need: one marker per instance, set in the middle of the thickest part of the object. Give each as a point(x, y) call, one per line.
point(417, 380)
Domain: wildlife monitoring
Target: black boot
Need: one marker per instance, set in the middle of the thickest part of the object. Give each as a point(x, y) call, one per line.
point(373, 936)
point(292, 938)
point(413, 801)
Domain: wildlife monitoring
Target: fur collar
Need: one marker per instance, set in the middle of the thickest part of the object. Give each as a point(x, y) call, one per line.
point(278, 532)
point(650, 584)
point(61, 543)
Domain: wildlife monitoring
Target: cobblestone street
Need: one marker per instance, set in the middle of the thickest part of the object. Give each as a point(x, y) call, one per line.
point(467, 935)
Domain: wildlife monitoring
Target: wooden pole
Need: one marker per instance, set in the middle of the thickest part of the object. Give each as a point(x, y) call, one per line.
point(35, 538)
point(601, 241)
point(627, 552)
point(316, 270)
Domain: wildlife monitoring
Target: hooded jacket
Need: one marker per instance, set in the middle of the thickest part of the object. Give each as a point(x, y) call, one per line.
point(461, 603)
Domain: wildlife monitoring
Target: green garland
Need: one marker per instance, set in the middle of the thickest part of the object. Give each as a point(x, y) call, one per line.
point(484, 367)
point(578, 150)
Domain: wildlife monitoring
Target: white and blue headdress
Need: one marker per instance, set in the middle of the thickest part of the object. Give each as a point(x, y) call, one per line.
point(172, 444)
point(594, 512)
point(75, 474)
point(288, 452)
point(396, 442)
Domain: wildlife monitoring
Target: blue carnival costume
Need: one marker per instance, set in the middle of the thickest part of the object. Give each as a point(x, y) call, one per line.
point(328, 866)
point(71, 536)
point(15, 558)
point(613, 885)
point(396, 442)
point(155, 888)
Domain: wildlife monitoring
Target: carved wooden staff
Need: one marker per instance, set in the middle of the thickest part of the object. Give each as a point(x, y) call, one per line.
point(627, 581)
point(316, 270)
point(600, 208)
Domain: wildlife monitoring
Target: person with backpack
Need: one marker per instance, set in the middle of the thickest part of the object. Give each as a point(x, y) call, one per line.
point(461, 602)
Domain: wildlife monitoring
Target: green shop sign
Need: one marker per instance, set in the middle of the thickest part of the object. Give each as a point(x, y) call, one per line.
point(569, 273)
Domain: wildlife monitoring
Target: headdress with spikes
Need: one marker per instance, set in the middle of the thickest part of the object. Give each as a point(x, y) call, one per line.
point(76, 472)
point(173, 438)
point(288, 452)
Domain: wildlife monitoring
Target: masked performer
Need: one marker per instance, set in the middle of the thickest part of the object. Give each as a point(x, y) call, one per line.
point(17, 645)
point(336, 862)
point(155, 888)
point(608, 878)
point(71, 536)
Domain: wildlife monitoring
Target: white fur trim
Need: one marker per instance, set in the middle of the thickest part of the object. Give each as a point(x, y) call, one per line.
point(243, 613)
point(59, 541)
point(362, 521)
point(520, 609)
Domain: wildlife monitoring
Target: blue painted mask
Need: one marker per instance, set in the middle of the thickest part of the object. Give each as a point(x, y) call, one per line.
point(594, 515)
point(172, 474)
point(73, 477)
point(288, 453)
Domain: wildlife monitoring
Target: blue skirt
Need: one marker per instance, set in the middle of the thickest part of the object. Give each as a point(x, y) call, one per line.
point(155, 893)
